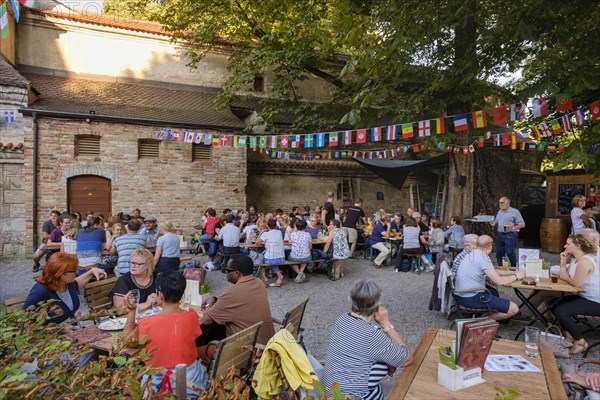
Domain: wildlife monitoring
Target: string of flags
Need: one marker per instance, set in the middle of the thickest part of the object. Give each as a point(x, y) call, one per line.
point(279, 145)
point(16, 9)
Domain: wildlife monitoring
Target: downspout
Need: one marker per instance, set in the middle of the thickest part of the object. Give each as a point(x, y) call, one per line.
point(35, 180)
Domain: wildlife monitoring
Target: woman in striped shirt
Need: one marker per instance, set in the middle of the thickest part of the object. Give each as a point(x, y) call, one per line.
point(363, 345)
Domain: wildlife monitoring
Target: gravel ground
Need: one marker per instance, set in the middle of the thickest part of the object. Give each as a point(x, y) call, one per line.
point(406, 296)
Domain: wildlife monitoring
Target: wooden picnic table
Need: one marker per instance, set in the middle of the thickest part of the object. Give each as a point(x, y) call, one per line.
point(419, 380)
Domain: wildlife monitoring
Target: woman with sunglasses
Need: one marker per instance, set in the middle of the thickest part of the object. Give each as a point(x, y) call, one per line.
point(140, 276)
point(587, 278)
point(171, 333)
point(59, 285)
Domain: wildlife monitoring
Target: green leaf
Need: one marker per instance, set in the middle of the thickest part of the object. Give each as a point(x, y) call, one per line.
point(119, 360)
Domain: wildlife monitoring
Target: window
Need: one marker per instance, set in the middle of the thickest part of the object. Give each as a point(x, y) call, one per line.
point(87, 145)
point(201, 152)
point(148, 148)
point(259, 84)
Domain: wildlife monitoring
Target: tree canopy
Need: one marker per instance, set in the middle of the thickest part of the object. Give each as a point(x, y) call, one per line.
point(408, 59)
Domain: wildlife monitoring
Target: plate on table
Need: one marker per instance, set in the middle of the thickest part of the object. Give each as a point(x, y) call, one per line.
point(113, 324)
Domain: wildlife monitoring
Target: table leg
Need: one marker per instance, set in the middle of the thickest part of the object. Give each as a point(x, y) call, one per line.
point(537, 316)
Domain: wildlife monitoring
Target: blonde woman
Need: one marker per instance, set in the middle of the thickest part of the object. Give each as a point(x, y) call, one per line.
point(167, 254)
point(579, 218)
point(140, 276)
point(313, 227)
point(69, 240)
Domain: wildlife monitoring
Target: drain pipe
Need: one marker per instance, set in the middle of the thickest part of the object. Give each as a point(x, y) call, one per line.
point(35, 181)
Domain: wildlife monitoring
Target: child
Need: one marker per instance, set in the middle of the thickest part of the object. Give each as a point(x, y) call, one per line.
point(69, 240)
point(341, 250)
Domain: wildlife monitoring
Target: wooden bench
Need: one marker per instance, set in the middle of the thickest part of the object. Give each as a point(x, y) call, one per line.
point(15, 304)
point(329, 265)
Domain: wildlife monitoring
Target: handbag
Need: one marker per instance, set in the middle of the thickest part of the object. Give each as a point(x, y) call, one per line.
point(560, 347)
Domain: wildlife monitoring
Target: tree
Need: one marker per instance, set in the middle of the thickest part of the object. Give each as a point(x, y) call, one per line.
point(409, 59)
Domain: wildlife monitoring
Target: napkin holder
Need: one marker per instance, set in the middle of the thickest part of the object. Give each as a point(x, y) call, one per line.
point(192, 291)
point(457, 379)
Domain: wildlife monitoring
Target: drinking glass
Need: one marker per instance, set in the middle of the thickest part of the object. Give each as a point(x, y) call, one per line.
point(532, 338)
point(185, 302)
point(135, 299)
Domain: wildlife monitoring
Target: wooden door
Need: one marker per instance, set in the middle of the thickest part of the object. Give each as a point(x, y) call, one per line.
point(89, 193)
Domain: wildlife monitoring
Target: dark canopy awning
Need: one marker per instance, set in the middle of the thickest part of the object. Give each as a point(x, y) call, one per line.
point(395, 172)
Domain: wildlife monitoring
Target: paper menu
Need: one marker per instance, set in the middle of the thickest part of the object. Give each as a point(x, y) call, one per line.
point(192, 291)
point(533, 267)
point(509, 363)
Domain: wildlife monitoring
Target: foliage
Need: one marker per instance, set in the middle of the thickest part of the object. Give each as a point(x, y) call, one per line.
point(39, 361)
point(405, 60)
point(506, 394)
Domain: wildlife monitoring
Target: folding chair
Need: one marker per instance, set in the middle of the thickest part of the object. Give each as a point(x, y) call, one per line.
point(236, 350)
point(293, 317)
point(468, 312)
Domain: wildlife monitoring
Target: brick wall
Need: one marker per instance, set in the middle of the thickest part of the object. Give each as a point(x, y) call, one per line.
point(170, 187)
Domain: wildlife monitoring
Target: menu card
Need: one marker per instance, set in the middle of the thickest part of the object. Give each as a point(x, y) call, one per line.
point(474, 340)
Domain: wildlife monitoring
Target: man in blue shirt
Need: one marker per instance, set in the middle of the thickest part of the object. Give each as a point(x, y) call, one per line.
point(508, 223)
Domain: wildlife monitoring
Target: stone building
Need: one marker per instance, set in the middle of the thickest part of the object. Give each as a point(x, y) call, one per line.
point(90, 94)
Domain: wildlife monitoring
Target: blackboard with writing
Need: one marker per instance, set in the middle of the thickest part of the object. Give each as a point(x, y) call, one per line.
point(566, 192)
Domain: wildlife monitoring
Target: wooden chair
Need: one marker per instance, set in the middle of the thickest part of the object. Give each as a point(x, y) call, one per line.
point(96, 294)
point(293, 317)
point(236, 350)
point(15, 304)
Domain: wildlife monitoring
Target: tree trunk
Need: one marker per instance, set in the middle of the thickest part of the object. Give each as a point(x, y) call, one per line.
point(460, 198)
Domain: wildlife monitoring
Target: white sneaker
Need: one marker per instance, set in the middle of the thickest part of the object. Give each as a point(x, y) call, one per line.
point(302, 277)
point(210, 266)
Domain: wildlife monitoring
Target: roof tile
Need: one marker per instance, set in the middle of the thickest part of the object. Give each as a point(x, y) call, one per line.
point(9, 76)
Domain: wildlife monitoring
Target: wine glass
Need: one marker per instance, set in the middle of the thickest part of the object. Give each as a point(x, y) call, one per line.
point(134, 297)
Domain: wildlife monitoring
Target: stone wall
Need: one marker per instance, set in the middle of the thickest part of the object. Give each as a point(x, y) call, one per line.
point(271, 191)
point(12, 213)
point(170, 187)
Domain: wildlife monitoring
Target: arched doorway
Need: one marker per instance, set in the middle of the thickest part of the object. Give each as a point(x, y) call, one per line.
point(89, 193)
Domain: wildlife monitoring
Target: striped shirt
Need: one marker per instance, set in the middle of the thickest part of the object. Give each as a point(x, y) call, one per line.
point(126, 245)
point(358, 356)
point(456, 263)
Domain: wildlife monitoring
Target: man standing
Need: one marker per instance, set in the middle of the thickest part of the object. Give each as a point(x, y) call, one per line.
point(243, 304)
point(126, 244)
point(354, 214)
point(508, 223)
point(328, 211)
point(150, 230)
point(47, 229)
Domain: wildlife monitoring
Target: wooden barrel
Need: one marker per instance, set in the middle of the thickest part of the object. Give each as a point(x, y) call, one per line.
point(553, 234)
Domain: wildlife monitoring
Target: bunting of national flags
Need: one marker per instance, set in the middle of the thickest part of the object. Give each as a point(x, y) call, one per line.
point(424, 128)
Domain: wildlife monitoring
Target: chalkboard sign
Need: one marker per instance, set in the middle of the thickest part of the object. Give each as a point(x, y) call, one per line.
point(566, 192)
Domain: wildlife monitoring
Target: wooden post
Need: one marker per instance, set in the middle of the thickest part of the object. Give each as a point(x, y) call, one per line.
point(181, 381)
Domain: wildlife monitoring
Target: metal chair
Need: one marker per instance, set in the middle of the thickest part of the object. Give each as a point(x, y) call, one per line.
point(467, 312)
